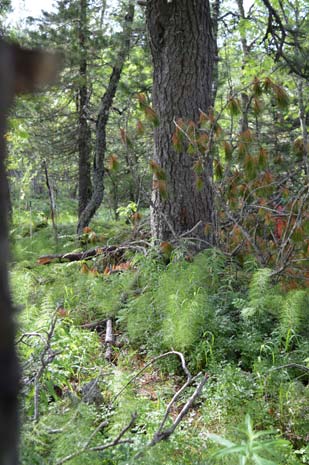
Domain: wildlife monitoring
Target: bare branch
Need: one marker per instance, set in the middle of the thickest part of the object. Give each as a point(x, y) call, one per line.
point(290, 365)
point(109, 340)
point(165, 434)
point(47, 356)
point(162, 434)
point(117, 441)
point(167, 354)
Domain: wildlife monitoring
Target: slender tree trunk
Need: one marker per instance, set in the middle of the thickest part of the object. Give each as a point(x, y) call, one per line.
point(244, 122)
point(302, 121)
point(101, 123)
point(114, 196)
point(301, 97)
point(51, 195)
point(84, 132)
point(183, 49)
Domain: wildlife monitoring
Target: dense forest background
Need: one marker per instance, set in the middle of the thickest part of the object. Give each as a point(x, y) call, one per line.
point(160, 234)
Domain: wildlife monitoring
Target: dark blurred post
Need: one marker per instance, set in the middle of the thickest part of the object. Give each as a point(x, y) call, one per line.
point(21, 71)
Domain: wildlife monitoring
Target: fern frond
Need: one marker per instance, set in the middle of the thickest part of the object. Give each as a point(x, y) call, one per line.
point(260, 284)
point(263, 296)
point(294, 316)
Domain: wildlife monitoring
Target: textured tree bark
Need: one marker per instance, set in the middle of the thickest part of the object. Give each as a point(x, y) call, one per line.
point(102, 119)
point(216, 6)
point(84, 132)
point(183, 50)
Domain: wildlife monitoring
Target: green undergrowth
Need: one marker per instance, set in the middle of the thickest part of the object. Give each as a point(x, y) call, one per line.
point(237, 324)
point(32, 234)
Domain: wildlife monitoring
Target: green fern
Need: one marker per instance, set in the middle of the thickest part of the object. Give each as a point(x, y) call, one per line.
point(260, 283)
point(176, 307)
point(185, 319)
point(185, 296)
point(294, 316)
point(137, 314)
point(264, 297)
point(141, 319)
point(74, 427)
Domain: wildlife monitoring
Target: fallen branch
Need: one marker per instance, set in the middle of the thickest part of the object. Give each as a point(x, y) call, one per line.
point(93, 324)
point(26, 336)
point(76, 256)
point(290, 365)
point(162, 434)
point(154, 360)
point(109, 340)
point(47, 356)
point(139, 246)
point(117, 441)
point(165, 434)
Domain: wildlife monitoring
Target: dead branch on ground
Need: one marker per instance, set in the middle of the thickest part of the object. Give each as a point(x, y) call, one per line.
point(117, 441)
point(163, 434)
point(109, 340)
point(112, 250)
point(46, 357)
point(75, 256)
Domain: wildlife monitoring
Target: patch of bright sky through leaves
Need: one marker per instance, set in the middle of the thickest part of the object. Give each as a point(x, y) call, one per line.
point(24, 8)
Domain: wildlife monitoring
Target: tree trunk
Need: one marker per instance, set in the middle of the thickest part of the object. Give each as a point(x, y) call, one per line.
point(244, 121)
point(216, 5)
point(20, 71)
point(84, 132)
point(8, 360)
point(101, 123)
point(183, 49)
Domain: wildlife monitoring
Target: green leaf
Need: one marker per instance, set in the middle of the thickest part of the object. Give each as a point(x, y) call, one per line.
point(220, 440)
point(234, 106)
point(261, 461)
point(241, 449)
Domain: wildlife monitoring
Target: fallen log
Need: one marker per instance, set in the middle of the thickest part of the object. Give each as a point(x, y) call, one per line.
point(77, 256)
point(117, 252)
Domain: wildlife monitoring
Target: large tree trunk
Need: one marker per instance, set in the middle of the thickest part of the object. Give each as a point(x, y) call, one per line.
point(84, 133)
point(183, 50)
point(8, 360)
point(101, 123)
point(20, 71)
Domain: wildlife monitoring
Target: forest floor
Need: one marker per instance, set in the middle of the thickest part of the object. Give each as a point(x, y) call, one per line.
point(133, 356)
